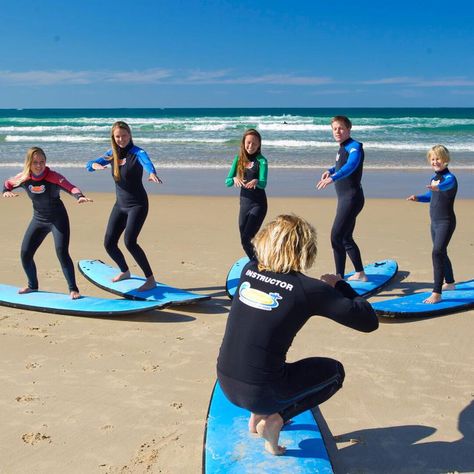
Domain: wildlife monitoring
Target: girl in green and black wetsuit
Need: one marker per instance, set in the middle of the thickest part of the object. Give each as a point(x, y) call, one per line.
point(249, 173)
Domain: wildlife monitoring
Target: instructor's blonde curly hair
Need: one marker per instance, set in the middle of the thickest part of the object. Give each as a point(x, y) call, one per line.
point(286, 244)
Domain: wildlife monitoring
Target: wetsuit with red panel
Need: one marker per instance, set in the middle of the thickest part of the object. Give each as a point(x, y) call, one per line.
point(49, 215)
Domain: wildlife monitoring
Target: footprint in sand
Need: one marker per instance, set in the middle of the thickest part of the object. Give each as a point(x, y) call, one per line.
point(26, 398)
point(95, 355)
point(35, 438)
point(33, 365)
point(149, 367)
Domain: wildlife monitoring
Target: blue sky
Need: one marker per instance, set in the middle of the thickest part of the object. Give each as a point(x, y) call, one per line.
point(236, 53)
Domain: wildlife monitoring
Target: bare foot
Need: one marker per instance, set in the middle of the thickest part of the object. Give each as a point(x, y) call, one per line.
point(23, 291)
point(449, 286)
point(75, 295)
point(149, 284)
point(358, 276)
point(255, 419)
point(121, 276)
point(253, 422)
point(434, 298)
point(269, 429)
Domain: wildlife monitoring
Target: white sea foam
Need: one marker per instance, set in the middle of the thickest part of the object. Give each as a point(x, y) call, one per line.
point(56, 138)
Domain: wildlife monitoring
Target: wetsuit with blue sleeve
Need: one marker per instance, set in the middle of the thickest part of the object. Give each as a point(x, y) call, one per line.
point(267, 312)
point(49, 215)
point(443, 223)
point(253, 202)
point(347, 175)
point(131, 207)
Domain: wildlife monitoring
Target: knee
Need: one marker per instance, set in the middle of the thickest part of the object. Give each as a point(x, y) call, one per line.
point(130, 243)
point(244, 239)
point(438, 252)
point(26, 255)
point(62, 254)
point(341, 373)
point(336, 241)
point(109, 242)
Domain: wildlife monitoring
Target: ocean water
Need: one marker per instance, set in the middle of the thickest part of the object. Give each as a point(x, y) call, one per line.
point(394, 139)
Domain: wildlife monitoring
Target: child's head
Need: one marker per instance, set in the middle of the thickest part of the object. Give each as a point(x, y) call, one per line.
point(440, 152)
point(251, 142)
point(121, 134)
point(342, 119)
point(35, 162)
point(250, 145)
point(121, 137)
point(287, 243)
point(32, 154)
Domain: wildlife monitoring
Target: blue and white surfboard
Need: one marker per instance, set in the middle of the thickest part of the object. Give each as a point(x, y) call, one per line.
point(229, 448)
point(61, 303)
point(102, 274)
point(412, 306)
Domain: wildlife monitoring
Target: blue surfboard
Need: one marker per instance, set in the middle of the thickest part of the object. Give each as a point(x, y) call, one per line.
point(61, 303)
point(379, 274)
point(233, 277)
point(229, 448)
point(412, 306)
point(101, 275)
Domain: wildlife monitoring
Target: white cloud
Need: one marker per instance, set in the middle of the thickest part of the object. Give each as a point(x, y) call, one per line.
point(420, 82)
point(45, 78)
point(153, 76)
point(222, 76)
point(390, 80)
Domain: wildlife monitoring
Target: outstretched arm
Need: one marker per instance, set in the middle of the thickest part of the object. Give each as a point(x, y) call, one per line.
point(340, 303)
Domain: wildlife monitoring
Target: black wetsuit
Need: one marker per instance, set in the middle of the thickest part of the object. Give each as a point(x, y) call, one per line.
point(268, 311)
point(253, 202)
point(443, 223)
point(347, 175)
point(49, 215)
point(131, 207)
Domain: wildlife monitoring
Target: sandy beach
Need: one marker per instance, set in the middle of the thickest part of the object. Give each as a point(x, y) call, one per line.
point(130, 394)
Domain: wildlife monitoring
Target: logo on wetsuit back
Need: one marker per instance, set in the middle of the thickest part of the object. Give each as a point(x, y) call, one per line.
point(40, 189)
point(258, 299)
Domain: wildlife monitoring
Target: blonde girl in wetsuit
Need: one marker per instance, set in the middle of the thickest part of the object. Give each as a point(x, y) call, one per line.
point(43, 187)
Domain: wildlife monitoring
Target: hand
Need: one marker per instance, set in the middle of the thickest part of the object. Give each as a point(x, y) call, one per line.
point(84, 199)
point(324, 182)
point(251, 184)
point(331, 279)
point(9, 194)
point(433, 187)
point(411, 198)
point(325, 175)
point(98, 166)
point(153, 177)
point(238, 183)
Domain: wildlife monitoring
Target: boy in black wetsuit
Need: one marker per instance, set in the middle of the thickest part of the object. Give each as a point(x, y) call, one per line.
point(273, 302)
point(441, 195)
point(346, 176)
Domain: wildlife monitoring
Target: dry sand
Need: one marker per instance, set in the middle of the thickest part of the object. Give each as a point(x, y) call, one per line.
point(130, 394)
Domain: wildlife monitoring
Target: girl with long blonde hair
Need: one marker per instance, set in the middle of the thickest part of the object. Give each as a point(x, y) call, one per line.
point(131, 206)
point(43, 187)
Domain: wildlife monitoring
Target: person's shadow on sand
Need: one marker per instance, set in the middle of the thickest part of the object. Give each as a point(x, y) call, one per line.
point(400, 449)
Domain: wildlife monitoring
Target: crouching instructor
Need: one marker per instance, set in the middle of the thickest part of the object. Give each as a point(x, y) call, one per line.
point(273, 302)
